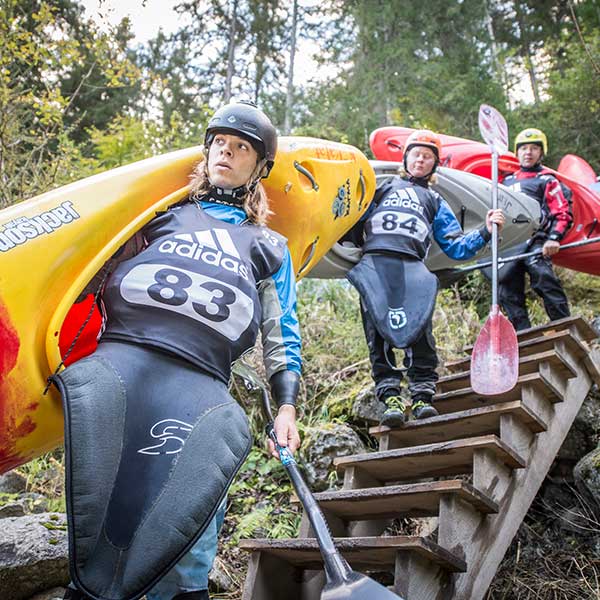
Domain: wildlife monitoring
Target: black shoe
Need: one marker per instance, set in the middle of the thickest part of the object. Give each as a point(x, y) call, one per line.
point(394, 414)
point(422, 407)
point(198, 595)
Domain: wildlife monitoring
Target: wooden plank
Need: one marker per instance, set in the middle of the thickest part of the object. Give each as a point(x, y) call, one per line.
point(467, 423)
point(412, 500)
point(527, 365)
point(578, 327)
point(535, 345)
point(466, 398)
point(418, 579)
point(363, 553)
point(485, 540)
point(269, 577)
point(431, 460)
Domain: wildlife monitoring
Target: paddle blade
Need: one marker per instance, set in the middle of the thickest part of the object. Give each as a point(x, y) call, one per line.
point(357, 587)
point(495, 358)
point(493, 128)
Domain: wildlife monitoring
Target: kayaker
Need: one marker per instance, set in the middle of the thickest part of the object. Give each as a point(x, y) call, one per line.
point(533, 179)
point(188, 296)
point(399, 226)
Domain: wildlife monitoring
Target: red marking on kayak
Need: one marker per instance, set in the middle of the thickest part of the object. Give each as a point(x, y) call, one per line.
point(9, 343)
point(87, 340)
point(10, 431)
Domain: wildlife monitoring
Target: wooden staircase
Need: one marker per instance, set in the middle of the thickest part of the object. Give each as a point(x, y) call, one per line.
point(476, 467)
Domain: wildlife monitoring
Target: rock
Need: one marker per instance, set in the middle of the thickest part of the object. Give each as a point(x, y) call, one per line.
point(25, 504)
point(53, 594)
point(322, 445)
point(12, 483)
point(584, 434)
point(12, 509)
point(366, 407)
point(587, 477)
point(33, 555)
point(596, 324)
point(219, 578)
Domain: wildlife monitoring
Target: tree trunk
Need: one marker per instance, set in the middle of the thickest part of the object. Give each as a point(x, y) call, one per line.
point(231, 51)
point(498, 64)
point(526, 53)
point(287, 125)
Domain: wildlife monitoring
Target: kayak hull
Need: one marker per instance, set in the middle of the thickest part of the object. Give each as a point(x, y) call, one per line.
point(387, 143)
point(469, 197)
point(52, 245)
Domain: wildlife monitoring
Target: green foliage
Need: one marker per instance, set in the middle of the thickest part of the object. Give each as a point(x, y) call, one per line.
point(334, 348)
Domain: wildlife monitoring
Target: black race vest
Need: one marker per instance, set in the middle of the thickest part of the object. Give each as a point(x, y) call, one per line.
point(402, 221)
point(193, 291)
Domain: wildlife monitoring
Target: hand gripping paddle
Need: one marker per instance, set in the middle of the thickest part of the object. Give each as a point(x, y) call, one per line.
point(342, 582)
point(495, 358)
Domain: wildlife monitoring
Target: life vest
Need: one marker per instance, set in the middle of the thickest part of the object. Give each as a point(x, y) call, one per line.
point(402, 221)
point(534, 184)
point(193, 291)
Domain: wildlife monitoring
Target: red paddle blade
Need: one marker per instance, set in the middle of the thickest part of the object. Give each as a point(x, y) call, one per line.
point(495, 358)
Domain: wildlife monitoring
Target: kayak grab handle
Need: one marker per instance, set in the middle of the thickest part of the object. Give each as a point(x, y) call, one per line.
point(307, 260)
point(592, 227)
point(521, 219)
point(363, 188)
point(307, 174)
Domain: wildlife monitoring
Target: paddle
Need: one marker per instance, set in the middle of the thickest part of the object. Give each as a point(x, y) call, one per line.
point(443, 273)
point(495, 358)
point(342, 582)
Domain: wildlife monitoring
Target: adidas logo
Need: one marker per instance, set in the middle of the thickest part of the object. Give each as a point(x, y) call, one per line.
point(213, 246)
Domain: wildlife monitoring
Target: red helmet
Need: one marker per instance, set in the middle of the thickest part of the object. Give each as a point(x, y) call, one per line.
point(424, 137)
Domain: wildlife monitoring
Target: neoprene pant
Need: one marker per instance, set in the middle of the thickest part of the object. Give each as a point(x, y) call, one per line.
point(544, 282)
point(420, 361)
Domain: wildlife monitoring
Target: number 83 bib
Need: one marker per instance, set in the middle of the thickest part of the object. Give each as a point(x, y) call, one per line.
point(193, 290)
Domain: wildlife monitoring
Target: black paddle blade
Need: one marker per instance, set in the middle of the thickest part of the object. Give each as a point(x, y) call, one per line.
point(356, 586)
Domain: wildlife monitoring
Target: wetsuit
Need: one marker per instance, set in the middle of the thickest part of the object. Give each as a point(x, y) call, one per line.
point(403, 219)
point(556, 218)
point(190, 298)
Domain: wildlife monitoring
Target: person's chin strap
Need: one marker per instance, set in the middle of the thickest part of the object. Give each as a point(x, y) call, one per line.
point(421, 181)
point(236, 196)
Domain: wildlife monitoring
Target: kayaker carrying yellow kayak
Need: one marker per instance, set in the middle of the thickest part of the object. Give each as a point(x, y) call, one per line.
point(153, 438)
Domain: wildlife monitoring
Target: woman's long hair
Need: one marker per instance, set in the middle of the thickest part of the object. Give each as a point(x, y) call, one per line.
point(255, 204)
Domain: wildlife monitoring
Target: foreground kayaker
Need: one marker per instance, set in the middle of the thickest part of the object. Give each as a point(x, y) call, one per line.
point(147, 478)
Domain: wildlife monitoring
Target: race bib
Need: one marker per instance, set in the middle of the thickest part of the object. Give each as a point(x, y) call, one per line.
point(400, 224)
point(218, 305)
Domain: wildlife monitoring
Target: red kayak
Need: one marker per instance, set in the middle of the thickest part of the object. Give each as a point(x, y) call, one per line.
point(387, 143)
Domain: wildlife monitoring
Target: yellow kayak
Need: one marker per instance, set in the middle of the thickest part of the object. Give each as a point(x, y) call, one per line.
point(53, 244)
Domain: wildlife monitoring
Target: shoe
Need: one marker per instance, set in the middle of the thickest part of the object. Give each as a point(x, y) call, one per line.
point(422, 408)
point(394, 414)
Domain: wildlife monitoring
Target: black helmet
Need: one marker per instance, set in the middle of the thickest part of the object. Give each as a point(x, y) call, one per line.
point(246, 120)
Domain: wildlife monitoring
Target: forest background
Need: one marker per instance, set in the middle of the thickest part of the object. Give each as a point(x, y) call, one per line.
point(77, 99)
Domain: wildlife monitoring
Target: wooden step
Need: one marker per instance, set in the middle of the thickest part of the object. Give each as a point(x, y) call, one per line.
point(466, 398)
point(363, 553)
point(410, 500)
point(579, 328)
point(430, 460)
point(527, 365)
point(452, 426)
point(543, 343)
